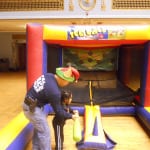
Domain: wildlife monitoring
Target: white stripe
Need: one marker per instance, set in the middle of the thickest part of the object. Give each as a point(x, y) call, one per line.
point(58, 137)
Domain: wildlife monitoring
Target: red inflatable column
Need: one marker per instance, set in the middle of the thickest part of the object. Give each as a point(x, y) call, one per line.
point(147, 89)
point(34, 52)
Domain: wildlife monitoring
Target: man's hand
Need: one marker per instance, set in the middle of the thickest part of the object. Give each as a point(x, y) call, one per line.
point(74, 116)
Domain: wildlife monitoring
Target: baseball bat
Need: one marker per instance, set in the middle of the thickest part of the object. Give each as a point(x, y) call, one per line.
point(77, 135)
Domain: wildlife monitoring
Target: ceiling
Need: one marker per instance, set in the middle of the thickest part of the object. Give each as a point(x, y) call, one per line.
point(19, 26)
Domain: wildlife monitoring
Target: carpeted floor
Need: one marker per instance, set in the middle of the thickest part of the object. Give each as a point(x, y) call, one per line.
point(121, 95)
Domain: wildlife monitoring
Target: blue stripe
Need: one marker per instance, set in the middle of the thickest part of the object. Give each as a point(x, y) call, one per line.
point(22, 139)
point(44, 69)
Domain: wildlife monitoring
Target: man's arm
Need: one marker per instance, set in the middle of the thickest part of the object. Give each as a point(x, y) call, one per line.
point(59, 111)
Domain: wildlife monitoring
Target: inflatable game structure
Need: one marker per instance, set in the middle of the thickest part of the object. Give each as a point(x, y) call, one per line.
point(18, 132)
point(93, 135)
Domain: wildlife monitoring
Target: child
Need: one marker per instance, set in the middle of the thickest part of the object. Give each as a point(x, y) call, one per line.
point(58, 123)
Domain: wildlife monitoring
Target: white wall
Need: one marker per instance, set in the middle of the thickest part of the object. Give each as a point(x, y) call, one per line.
point(6, 46)
point(78, 12)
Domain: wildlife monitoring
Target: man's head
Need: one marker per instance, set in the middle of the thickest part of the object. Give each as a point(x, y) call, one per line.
point(69, 74)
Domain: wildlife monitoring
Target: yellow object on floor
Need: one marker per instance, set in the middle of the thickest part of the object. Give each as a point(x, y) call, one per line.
point(93, 116)
point(148, 109)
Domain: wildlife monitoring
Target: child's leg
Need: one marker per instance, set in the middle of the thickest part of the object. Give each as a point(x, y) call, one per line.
point(59, 136)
